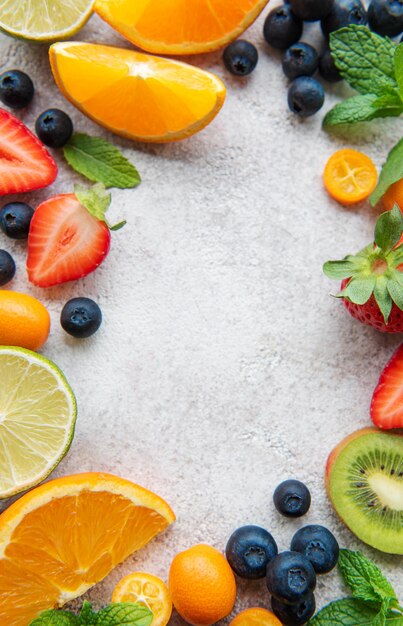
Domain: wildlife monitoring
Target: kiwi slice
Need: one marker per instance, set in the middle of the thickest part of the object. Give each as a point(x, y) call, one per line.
point(365, 484)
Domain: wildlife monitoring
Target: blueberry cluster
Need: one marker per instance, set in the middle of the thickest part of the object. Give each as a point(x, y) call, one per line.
point(252, 553)
point(283, 29)
point(53, 127)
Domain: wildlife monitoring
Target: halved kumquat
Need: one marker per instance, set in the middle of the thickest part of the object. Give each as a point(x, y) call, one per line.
point(178, 26)
point(136, 95)
point(61, 538)
point(148, 590)
point(350, 176)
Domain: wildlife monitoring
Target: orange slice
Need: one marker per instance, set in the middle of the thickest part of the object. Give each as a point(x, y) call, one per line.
point(61, 538)
point(148, 590)
point(136, 95)
point(350, 176)
point(180, 26)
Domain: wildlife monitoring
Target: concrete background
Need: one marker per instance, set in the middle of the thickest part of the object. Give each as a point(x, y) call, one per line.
point(223, 365)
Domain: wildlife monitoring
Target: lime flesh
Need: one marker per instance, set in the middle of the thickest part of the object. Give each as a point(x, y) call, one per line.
point(37, 419)
point(366, 489)
point(44, 20)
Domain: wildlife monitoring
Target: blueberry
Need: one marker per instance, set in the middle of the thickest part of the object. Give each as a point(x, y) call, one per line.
point(81, 317)
point(301, 59)
point(319, 545)
point(240, 57)
point(327, 67)
point(54, 128)
point(290, 576)
point(292, 498)
point(295, 614)
point(305, 96)
point(7, 267)
point(15, 219)
point(282, 28)
point(16, 89)
point(311, 10)
point(385, 17)
point(249, 550)
point(344, 13)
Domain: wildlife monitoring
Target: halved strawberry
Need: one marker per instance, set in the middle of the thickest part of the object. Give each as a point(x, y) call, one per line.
point(25, 164)
point(69, 236)
point(387, 401)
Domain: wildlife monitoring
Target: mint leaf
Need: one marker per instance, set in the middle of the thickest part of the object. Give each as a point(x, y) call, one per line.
point(124, 614)
point(348, 612)
point(364, 578)
point(87, 616)
point(54, 617)
point(100, 161)
point(398, 64)
point(392, 171)
point(360, 109)
point(365, 59)
point(393, 619)
point(388, 231)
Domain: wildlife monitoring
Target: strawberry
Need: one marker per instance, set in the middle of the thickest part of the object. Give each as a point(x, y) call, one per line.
point(387, 401)
point(372, 280)
point(69, 236)
point(25, 164)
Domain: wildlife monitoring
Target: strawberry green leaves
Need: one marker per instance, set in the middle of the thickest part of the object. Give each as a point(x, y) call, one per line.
point(116, 614)
point(100, 161)
point(373, 271)
point(374, 601)
point(97, 201)
point(373, 65)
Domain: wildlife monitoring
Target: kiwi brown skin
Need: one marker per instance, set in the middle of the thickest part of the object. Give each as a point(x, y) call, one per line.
point(334, 455)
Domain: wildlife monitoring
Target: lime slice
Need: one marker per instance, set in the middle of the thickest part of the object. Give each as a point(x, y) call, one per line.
point(44, 20)
point(37, 418)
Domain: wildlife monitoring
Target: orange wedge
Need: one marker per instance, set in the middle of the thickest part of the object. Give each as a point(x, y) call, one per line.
point(61, 538)
point(136, 95)
point(179, 26)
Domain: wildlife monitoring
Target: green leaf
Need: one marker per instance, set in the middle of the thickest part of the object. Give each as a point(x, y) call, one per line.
point(355, 109)
point(87, 616)
point(359, 290)
point(392, 171)
point(364, 578)
point(392, 619)
point(389, 229)
point(97, 201)
point(395, 289)
point(100, 161)
point(365, 59)
point(124, 614)
point(383, 298)
point(348, 612)
point(342, 269)
point(54, 617)
point(390, 99)
point(398, 63)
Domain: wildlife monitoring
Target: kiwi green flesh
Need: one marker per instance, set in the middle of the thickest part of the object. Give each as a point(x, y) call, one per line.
point(366, 489)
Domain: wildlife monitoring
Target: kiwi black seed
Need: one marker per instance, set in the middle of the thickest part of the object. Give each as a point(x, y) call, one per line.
point(365, 484)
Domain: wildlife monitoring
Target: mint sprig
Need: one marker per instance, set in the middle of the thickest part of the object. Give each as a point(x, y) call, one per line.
point(373, 65)
point(116, 614)
point(100, 161)
point(392, 171)
point(374, 601)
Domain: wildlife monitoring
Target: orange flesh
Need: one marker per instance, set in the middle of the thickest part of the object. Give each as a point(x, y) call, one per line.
point(136, 95)
point(58, 550)
point(180, 26)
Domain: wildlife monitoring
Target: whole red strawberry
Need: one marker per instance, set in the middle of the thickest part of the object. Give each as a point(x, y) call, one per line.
point(372, 280)
point(69, 236)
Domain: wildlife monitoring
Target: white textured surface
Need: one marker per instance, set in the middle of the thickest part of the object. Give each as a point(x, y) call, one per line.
point(223, 366)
